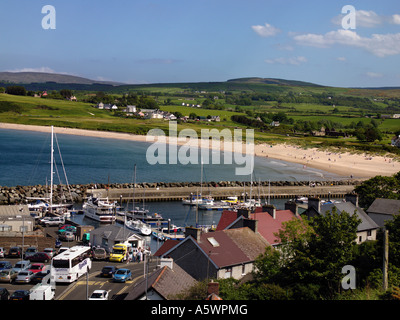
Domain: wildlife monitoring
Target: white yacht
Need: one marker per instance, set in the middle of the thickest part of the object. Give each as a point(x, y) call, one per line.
point(100, 209)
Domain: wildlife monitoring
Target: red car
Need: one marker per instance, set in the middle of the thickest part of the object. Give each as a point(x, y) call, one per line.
point(37, 267)
point(39, 257)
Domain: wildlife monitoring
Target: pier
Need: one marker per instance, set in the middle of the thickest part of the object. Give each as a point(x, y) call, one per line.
point(219, 193)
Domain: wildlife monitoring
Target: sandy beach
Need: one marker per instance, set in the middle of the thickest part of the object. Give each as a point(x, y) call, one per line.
point(344, 164)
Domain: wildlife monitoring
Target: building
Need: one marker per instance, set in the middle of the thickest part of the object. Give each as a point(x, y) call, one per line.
point(107, 236)
point(219, 254)
point(15, 220)
point(366, 230)
point(163, 284)
point(382, 210)
point(265, 220)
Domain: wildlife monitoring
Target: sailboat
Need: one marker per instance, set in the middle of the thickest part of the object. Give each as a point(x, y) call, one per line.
point(46, 204)
point(198, 199)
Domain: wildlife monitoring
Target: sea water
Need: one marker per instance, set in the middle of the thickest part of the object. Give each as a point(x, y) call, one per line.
point(25, 160)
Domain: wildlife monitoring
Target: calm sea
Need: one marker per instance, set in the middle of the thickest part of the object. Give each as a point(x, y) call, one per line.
point(25, 160)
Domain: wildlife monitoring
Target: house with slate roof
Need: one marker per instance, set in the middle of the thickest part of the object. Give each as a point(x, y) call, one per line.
point(163, 284)
point(219, 254)
point(107, 236)
point(366, 230)
point(382, 210)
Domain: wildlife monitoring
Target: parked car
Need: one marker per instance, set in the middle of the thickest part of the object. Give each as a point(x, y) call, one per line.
point(5, 265)
point(39, 257)
point(108, 271)
point(2, 252)
point(22, 265)
point(4, 294)
point(8, 275)
point(30, 252)
point(99, 295)
point(122, 275)
point(52, 221)
point(67, 236)
point(37, 267)
point(66, 228)
point(99, 254)
point(15, 252)
point(24, 276)
point(20, 295)
point(38, 277)
point(50, 251)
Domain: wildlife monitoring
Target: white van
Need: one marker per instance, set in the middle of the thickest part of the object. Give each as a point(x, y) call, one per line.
point(42, 292)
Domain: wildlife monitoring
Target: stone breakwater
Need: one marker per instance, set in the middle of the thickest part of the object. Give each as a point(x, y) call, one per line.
point(78, 192)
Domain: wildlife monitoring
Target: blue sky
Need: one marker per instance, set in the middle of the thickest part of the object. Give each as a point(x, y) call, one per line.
point(150, 41)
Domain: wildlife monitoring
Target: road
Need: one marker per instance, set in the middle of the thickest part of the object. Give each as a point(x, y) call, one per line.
point(86, 285)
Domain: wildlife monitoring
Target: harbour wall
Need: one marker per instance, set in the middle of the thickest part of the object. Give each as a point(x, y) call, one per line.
point(173, 191)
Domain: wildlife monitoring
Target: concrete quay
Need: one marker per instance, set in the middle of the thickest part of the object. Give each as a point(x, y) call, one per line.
point(263, 192)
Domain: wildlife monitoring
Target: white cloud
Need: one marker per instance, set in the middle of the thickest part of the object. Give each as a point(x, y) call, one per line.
point(374, 75)
point(266, 31)
point(380, 45)
point(291, 61)
point(395, 19)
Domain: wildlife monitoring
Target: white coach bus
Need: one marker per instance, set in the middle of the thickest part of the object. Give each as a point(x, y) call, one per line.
point(69, 265)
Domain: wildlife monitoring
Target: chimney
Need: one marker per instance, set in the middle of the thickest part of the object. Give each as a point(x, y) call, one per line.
point(169, 262)
point(292, 206)
point(251, 224)
point(270, 209)
point(213, 287)
point(243, 212)
point(314, 203)
point(353, 198)
point(194, 232)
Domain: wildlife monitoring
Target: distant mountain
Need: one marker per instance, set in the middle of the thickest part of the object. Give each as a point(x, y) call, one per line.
point(42, 77)
point(275, 81)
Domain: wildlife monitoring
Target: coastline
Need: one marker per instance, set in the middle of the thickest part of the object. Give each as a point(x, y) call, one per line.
point(343, 164)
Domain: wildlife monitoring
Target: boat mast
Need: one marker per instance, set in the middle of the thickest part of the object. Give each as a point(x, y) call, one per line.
point(51, 171)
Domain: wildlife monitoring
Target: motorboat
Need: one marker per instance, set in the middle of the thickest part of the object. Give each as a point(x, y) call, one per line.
point(100, 209)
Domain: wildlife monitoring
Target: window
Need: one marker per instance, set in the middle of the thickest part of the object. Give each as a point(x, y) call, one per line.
point(5, 228)
point(213, 242)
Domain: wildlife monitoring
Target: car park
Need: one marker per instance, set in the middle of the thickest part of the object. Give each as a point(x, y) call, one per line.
point(15, 252)
point(24, 276)
point(108, 271)
point(37, 267)
point(8, 275)
point(20, 295)
point(5, 265)
point(122, 275)
point(39, 257)
point(22, 265)
point(99, 295)
point(30, 252)
point(50, 251)
point(4, 294)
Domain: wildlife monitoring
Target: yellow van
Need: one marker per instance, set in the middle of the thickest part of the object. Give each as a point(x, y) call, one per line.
point(118, 252)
